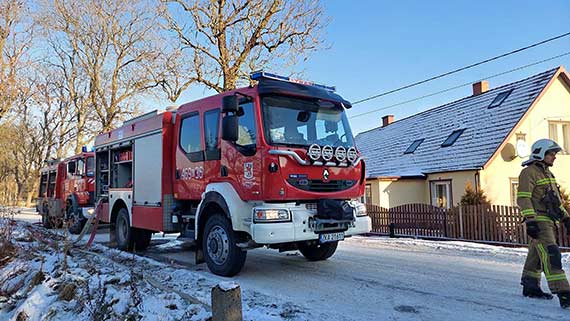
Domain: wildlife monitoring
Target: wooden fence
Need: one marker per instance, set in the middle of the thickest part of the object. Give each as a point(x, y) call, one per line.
point(489, 224)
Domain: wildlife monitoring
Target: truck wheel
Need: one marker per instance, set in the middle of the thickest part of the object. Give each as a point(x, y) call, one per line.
point(317, 252)
point(124, 231)
point(141, 238)
point(221, 253)
point(78, 222)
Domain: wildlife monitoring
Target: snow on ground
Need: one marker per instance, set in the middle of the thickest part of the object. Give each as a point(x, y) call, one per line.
point(368, 278)
point(109, 284)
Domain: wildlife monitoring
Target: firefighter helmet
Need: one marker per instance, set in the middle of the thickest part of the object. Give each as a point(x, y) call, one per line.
point(540, 148)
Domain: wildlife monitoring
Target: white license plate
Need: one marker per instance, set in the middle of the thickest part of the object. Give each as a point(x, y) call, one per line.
point(331, 237)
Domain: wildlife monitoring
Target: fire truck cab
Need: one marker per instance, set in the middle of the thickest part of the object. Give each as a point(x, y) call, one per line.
point(67, 191)
point(273, 165)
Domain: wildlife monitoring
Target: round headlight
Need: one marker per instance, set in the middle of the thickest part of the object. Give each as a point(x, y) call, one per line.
point(340, 153)
point(314, 152)
point(328, 152)
point(352, 154)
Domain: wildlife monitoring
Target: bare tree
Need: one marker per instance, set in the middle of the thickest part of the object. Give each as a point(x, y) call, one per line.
point(114, 42)
point(15, 41)
point(227, 39)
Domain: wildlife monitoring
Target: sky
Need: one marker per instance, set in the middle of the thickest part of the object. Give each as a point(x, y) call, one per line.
point(376, 46)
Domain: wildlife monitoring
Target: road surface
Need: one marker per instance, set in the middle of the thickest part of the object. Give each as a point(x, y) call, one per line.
point(385, 279)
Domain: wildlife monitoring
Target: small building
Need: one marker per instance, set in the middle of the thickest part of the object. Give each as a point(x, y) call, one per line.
point(479, 140)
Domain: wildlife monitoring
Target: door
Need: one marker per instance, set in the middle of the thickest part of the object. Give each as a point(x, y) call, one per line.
point(190, 158)
point(441, 194)
point(239, 160)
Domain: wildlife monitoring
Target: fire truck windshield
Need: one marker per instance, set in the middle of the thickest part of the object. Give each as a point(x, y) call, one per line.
point(301, 122)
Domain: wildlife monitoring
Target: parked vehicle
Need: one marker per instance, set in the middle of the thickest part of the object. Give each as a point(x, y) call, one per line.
point(269, 165)
point(67, 191)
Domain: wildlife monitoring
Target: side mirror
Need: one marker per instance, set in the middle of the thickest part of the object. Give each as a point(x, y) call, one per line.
point(230, 130)
point(230, 104)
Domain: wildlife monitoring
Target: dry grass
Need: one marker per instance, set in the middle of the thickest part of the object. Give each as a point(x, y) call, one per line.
point(7, 248)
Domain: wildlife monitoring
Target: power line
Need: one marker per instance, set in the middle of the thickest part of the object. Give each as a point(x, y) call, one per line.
point(461, 69)
point(462, 85)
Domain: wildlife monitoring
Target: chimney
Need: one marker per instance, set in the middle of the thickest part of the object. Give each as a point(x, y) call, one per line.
point(480, 87)
point(387, 120)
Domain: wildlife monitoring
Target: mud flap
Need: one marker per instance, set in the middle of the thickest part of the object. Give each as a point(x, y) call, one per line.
point(555, 256)
point(199, 255)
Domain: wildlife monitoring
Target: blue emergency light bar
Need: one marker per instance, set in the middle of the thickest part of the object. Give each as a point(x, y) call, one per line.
point(257, 75)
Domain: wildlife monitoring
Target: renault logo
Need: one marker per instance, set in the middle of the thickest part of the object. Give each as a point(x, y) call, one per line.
point(326, 175)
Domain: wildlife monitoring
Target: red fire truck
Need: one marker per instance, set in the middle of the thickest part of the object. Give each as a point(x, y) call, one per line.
point(67, 191)
point(269, 165)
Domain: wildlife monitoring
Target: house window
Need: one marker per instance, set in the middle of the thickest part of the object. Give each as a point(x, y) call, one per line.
point(367, 194)
point(500, 98)
point(514, 190)
point(441, 194)
point(452, 137)
point(412, 148)
point(560, 133)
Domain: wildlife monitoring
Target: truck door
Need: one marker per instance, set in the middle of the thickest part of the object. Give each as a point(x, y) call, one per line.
point(240, 162)
point(190, 158)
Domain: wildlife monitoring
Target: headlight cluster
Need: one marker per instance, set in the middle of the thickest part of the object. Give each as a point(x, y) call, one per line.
point(327, 153)
point(271, 215)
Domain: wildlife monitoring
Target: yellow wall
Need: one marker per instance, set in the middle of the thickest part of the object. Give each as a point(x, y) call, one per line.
point(398, 192)
point(554, 105)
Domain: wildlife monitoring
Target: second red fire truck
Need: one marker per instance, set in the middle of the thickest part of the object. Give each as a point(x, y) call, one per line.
point(269, 165)
point(67, 191)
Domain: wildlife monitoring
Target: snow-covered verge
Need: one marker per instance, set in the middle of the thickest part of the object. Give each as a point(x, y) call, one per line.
point(43, 277)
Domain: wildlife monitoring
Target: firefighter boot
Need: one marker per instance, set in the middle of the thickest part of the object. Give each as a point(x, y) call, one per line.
point(531, 289)
point(564, 298)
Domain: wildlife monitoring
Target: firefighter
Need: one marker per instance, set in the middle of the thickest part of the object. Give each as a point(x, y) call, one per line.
point(539, 200)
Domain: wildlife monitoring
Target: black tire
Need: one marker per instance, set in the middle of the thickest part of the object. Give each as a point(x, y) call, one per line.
point(78, 222)
point(313, 251)
point(124, 231)
point(141, 238)
point(230, 263)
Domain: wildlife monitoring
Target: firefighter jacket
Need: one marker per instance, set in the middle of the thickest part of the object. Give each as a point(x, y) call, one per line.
point(535, 181)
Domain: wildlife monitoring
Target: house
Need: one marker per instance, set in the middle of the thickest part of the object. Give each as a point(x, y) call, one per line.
point(481, 140)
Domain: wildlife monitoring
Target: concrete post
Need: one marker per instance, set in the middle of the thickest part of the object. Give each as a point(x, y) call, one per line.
point(226, 302)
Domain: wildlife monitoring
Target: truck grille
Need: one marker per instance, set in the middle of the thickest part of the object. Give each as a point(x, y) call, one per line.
point(317, 185)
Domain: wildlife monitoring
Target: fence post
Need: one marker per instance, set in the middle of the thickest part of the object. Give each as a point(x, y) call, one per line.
point(392, 226)
point(461, 221)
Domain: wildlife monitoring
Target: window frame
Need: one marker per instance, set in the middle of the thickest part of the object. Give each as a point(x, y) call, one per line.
point(197, 156)
point(449, 184)
point(559, 127)
point(449, 141)
point(512, 182)
point(251, 149)
point(215, 153)
point(498, 100)
point(417, 144)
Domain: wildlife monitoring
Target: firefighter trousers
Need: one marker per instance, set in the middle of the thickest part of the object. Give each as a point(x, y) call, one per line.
point(544, 256)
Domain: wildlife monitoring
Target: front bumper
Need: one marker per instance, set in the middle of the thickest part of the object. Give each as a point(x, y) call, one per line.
point(301, 228)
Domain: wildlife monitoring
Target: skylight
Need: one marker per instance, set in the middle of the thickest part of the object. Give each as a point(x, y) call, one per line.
point(412, 148)
point(452, 137)
point(500, 98)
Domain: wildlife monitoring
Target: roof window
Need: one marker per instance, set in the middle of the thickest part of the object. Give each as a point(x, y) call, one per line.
point(500, 98)
point(412, 148)
point(452, 137)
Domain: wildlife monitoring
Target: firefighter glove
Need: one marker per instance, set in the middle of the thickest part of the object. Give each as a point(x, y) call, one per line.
point(532, 228)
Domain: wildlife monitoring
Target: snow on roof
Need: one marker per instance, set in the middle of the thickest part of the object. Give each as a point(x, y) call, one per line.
point(484, 131)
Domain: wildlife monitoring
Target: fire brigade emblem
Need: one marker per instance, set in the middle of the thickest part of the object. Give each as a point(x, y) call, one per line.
point(248, 170)
point(326, 175)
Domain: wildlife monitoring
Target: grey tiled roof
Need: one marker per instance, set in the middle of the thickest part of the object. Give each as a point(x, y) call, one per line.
point(485, 130)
